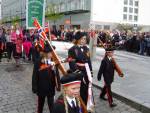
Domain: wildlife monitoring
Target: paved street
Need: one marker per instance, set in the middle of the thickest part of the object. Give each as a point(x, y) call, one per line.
point(16, 95)
point(136, 83)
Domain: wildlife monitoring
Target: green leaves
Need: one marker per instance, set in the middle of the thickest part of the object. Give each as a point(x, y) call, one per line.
point(15, 19)
point(52, 12)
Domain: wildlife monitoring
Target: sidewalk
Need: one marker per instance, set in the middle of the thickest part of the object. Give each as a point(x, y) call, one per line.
point(135, 86)
point(16, 95)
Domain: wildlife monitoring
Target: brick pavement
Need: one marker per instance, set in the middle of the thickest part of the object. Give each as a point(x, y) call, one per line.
point(16, 95)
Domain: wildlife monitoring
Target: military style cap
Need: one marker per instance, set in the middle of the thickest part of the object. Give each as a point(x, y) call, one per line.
point(79, 35)
point(71, 79)
point(48, 49)
point(109, 49)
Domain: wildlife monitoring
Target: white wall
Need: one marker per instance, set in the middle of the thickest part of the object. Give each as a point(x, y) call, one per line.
point(107, 11)
point(144, 12)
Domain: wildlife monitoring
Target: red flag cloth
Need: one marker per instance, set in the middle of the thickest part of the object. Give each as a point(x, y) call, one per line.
point(46, 30)
point(40, 29)
point(42, 43)
point(46, 27)
point(92, 34)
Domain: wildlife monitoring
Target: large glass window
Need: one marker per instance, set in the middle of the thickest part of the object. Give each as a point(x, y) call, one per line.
point(131, 2)
point(70, 5)
point(125, 9)
point(130, 17)
point(125, 2)
point(73, 6)
point(135, 18)
point(130, 10)
point(136, 10)
point(137, 3)
point(107, 27)
point(124, 16)
point(62, 7)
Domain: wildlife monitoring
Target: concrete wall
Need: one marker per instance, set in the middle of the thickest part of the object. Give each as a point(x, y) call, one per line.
point(13, 7)
point(107, 11)
point(76, 19)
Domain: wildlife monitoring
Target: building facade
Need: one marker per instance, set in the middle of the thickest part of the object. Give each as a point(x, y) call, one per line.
point(76, 13)
point(12, 8)
point(103, 14)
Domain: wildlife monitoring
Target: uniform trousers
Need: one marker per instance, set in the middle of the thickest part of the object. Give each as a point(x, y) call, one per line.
point(41, 101)
point(107, 90)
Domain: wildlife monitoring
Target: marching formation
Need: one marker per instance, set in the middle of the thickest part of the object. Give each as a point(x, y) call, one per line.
point(76, 83)
point(49, 74)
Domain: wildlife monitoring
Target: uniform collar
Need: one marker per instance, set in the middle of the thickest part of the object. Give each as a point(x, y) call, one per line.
point(110, 58)
point(69, 100)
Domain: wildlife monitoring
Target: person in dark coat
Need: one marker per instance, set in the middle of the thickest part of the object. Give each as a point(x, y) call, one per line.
point(47, 79)
point(2, 42)
point(70, 102)
point(80, 53)
point(107, 69)
point(37, 50)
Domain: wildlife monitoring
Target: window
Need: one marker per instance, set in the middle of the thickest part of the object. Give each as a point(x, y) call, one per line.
point(135, 18)
point(98, 26)
point(137, 3)
point(130, 17)
point(125, 2)
point(131, 2)
point(125, 9)
point(73, 5)
point(125, 17)
point(106, 27)
point(131, 10)
point(135, 10)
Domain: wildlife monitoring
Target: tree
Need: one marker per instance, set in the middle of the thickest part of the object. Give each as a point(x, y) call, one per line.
point(15, 19)
point(124, 27)
point(128, 27)
point(52, 14)
point(4, 20)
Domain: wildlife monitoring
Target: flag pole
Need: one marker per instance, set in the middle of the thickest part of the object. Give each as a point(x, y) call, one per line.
point(49, 31)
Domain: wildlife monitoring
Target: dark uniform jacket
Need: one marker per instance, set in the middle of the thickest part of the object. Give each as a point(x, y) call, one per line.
point(80, 54)
point(107, 69)
point(59, 107)
point(45, 80)
point(2, 41)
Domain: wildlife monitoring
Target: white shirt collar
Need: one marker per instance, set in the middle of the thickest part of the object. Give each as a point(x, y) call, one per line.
point(109, 58)
point(69, 100)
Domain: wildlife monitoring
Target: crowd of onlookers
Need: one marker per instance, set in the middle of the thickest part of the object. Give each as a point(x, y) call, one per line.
point(19, 42)
point(16, 42)
point(137, 42)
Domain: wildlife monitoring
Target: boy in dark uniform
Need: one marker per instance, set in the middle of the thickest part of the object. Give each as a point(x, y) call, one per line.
point(46, 74)
point(70, 101)
point(107, 69)
point(36, 60)
point(80, 53)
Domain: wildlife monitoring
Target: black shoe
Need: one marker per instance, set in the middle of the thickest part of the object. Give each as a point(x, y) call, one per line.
point(103, 98)
point(113, 105)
